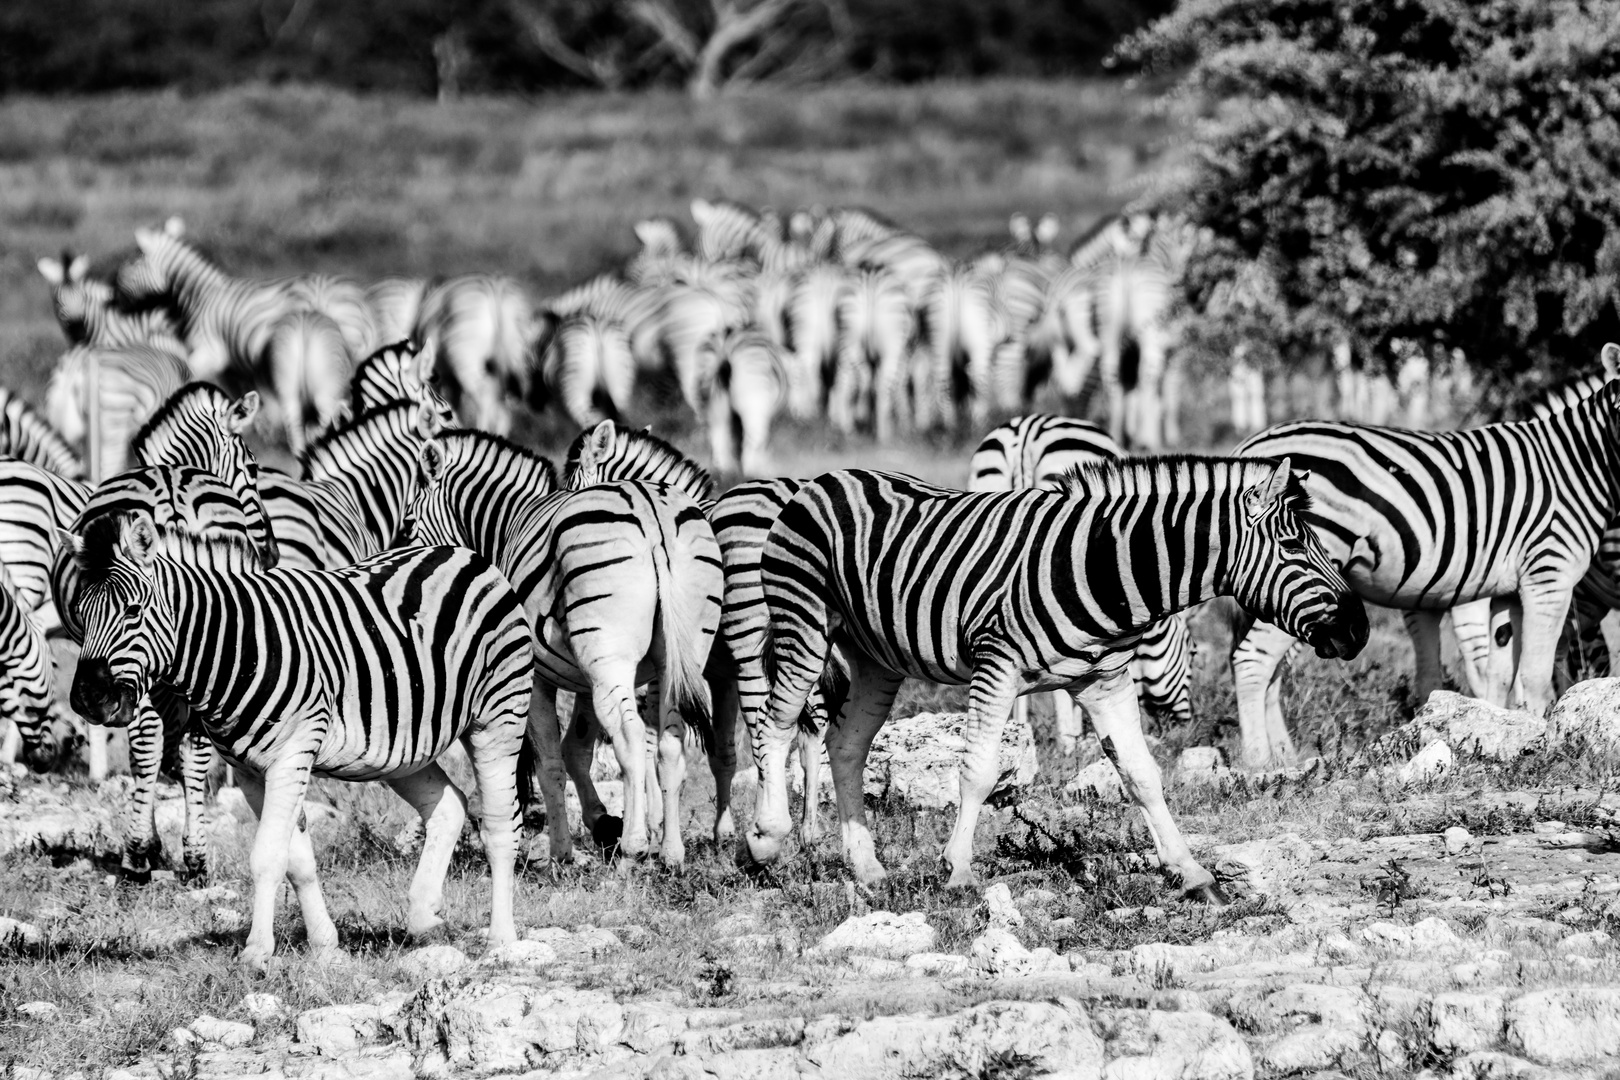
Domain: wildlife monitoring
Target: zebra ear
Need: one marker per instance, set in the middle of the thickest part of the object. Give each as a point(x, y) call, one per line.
point(427, 420)
point(600, 440)
point(429, 463)
point(427, 356)
point(174, 226)
point(72, 541)
point(1046, 230)
point(1277, 486)
point(702, 211)
point(1610, 359)
point(52, 271)
point(1019, 226)
point(78, 268)
point(242, 412)
point(647, 232)
point(138, 537)
point(147, 240)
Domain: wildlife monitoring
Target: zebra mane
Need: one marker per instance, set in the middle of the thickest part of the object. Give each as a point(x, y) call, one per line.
point(324, 449)
point(1092, 232)
point(226, 551)
point(1160, 475)
point(640, 455)
point(504, 446)
point(182, 399)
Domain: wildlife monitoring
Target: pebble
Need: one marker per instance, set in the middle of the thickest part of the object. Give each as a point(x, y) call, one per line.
point(262, 1006)
point(1458, 840)
point(40, 1010)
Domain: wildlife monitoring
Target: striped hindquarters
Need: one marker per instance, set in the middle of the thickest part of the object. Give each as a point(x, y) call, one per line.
point(27, 436)
point(1035, 450)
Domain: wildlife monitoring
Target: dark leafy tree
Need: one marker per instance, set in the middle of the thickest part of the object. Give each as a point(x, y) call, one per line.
point(1440, 172)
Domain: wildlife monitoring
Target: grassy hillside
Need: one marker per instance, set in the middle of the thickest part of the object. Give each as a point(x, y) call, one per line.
point(284, 179)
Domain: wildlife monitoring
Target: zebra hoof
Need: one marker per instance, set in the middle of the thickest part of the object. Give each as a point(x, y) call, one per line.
point(1208, 893)
point(133, 875)
point(606, 831)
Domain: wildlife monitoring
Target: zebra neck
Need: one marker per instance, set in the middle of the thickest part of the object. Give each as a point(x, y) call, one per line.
point(193, 279)
point(376, 486)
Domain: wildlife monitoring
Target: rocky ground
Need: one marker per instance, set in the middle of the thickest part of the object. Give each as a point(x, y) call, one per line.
point(1442, 904)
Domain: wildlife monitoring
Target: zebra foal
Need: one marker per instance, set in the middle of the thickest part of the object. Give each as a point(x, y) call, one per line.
point(1013, 593)
point(366, 673)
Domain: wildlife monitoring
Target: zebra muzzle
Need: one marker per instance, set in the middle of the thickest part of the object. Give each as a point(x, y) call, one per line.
point(100, 698)
point(1342, 632)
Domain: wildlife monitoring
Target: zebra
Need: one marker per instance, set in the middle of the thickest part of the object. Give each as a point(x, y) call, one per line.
point(435, 635)
point(28, 688)
point(962, 324)
point(1062, 346)
point(1011, 593)
point(28, 436)
point(309, 366)
point(1039, 451)
point(88, 315)
point(877, 326)
point(908, 257)
point(483, 329)
point(357, 480)
point(182, 499)
point(396, 306)
point(344, 302)
point(813, 331)
point(398, 372)
point(729, 230)
point(746, 384)
point(1037, 241)
point(594, 568)
point(132, 381)
point(662, 255)
point(1424, 521)
point(589, 369)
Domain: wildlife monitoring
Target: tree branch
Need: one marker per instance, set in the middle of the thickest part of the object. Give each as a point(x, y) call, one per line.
point(669, 28)
point(733, 29)
point(545, 35)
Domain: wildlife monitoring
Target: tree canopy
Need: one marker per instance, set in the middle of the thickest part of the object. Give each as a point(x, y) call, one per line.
point(1440, 172)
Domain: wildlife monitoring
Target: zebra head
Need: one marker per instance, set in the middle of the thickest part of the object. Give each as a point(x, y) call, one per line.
point(27, 685)
point(401, 371)
point(129, 629)
point(148, 278)
point(1281, 573)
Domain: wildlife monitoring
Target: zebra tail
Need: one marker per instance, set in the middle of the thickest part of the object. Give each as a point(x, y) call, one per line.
point(684, 684)
point(512, 331)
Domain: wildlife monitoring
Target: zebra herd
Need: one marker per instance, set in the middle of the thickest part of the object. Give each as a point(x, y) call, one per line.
point(421, 583)
point(824, 314)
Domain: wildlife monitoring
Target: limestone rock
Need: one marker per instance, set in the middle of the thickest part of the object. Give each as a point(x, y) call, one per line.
point(1158, 959)
point(1430, 765)
point(16, 932)
point(1586, 720)
point(520, 954)
point(1151, 1044)
point(1264, 867)
point(497, 1025)
point(1565, 1026)
point(999, 953)
point(262, 1006)
point(1099, 781)
point(335, 1030)
point(1201, 765)
point(1470, 727)
point(582, 943)
point(880, 933)
point(40, 1010)
point(1461, 1023)
point(918, 760)
point(228, 1033)
point(432, 962)
point(1458, 840)
point(999, 906)
point(938, 964)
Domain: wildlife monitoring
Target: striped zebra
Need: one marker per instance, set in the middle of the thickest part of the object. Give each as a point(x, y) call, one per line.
point(1036, 241)
point(746, 384)
point(357, 482)
point(310, 368)
point(398, 372)
point(435, 635)
point(962, 325)
point(908, 257)
point(132, 381)
point(28, 688)
point(396, 306)
point(589, 369)
point(88, 315)
point(811, 322)
point(28, 436)
point(1424, 521)
point(483, 329)
point(343, 301)
point(1061, 346)
point(1013, 593)
point(1039, 451)
point(186, 500)
point(728, 230)
point(595, 570)
point(662, 255)
point(876, 325)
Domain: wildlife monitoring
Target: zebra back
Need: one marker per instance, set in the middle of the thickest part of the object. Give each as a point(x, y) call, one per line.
point(589, 369)
point(27, 681)
point(726, 229)
point(27, 436)
point(1035, 451)
point(612, 451)
point(34, 503)
point(399, 372)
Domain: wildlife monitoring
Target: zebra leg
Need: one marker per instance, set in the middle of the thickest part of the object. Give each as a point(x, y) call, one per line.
point(774, 732)
point(723, 760)
point(1506, 633)
point(96, 752)
point(1256, 661)
point(614, 699)
point(196, 761)
point(1471, 625)
point(277, 798)
point(1424, 629)
point(547, 739)
point(990, 700)
point(1066, 718)
point(811, 739)
point(1545, 605)
point(579, 750)
point(1111, 704)
point(143, 847)
point(443, 810)
point(493, 748)
point(1164, 663)
point(850, 732)
point(671, 777)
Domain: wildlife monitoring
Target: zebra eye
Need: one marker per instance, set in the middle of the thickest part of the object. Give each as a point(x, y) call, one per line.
point(1294, 544)
point(132, 611)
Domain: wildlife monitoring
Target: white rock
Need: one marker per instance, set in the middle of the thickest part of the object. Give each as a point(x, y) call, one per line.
point(335, 1030)
point(226, 1033)
point(227, 921)
point(1431, 764)
point(494, 1025)
point(1201, 765)
point(1586, 721)
point(1151, 1044)
point(878, 967)
point(1159, 959)
point(432, 962)
point(1003, 913)
point(1433, 933)
point(1311, 1049)
point(1099, 781)
point(1047, 1038)
point(180, 1038)
point(1460, 1023)
point(1588, 941)
point(880, 933)
point(1566, 1026)
point(1472, 728)
point(213, 894)
point(999, 953)
point(583, 943)
point(14, 931)
point(40, 1010)
point(1264, 867)
point(652, 1025)
point(524, 954)
point(938, 964)
point(1458, 840)
point(262, 1006)
point(918, 760)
